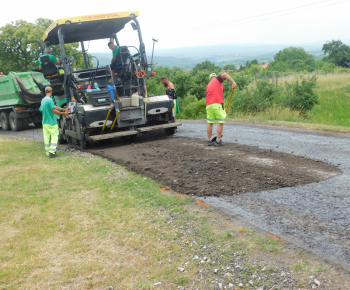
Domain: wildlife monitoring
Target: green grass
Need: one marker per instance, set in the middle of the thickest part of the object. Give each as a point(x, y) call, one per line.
point(50, 207)
point(334, 106)
point(331, 112)
point(84, 222)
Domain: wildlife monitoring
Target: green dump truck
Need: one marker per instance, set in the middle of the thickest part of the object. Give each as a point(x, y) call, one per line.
point(20, 97)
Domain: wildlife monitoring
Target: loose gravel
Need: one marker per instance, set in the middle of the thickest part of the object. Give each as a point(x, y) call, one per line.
point(316, 216)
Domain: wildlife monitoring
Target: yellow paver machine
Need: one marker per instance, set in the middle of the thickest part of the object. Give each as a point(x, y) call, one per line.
point(104, 106)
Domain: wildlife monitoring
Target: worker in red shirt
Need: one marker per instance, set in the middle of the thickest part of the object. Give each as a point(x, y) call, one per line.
point(215, 105)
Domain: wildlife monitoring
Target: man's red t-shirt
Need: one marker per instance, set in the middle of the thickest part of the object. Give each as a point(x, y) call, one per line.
point(215, 91)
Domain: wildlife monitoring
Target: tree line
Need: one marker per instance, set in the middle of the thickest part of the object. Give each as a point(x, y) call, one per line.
point(298, 95)
point(21, 45)
point(291, 59)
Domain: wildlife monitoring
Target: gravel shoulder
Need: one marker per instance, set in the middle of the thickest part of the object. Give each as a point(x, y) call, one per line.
point(314, 216)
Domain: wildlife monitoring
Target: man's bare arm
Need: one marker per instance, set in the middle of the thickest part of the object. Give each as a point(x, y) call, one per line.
point(228, 77)
point(59, 112)
point(61, 109)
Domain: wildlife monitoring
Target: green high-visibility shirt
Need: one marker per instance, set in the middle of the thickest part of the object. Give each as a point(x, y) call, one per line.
point(46, 109)
point(52, 58)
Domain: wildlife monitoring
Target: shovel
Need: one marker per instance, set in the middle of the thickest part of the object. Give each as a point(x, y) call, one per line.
point(229, 100)
point(228, 103)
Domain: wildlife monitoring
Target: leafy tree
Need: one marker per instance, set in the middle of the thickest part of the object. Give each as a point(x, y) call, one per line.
point(336, 52)
point(242, 81)
point(229, 67)
point(176, 75)
point(194, 110)
point(292, 58)
point(181, 81)
point(199, 84)
point(205, 65)
point(250, 63)
point(278, 66)
point(254, 69)
point(325, 66)
point(21, 45)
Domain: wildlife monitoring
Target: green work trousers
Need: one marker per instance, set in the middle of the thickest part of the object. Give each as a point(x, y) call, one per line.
point(50, 138)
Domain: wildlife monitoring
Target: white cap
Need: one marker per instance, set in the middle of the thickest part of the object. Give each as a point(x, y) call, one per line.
point(47, 49)
point(212, 75)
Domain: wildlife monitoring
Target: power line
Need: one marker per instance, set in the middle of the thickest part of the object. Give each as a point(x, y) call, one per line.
point(253, 18)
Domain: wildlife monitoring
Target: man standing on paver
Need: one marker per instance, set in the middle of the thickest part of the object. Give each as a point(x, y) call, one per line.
point(170, 91)
point(50, 127)
point(114, 63)
point(215, 105)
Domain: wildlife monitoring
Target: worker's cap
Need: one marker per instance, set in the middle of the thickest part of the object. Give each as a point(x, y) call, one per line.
point(47, 49)
point(212, 75)
point(48, 89)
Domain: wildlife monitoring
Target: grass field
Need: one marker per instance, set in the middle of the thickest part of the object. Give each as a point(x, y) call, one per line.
point(332, 112)
point(81, 222)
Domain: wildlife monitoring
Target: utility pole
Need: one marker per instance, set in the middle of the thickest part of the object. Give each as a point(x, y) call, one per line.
point(154, 40)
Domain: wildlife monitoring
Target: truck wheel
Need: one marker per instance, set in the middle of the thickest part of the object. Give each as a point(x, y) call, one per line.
point(15, 123)
point(4, 118)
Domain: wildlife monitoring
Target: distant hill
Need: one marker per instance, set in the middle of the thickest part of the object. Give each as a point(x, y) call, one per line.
point(188, 57)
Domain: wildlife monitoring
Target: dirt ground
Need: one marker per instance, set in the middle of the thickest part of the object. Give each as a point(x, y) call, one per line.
point(190, 167)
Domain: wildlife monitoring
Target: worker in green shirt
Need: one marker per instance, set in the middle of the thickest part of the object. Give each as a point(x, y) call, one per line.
point(50, 127)
point(115, 51)
point(48, 51)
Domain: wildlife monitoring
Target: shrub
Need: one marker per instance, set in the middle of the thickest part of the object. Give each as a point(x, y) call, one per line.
point(255, 100)
point(300, 96)
point(194, 110)
point(242, 81)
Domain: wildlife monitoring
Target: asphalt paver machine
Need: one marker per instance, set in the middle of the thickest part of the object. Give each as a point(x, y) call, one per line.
point(104, 108)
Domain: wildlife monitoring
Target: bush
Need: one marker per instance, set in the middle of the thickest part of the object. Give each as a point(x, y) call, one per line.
point(194, 110)
point(242, 81)
point(255, 100)
point(300, 96)
point(199, 84)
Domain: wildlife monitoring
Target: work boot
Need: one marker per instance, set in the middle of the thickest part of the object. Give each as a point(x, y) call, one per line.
point(209, 143)
point(219, 143)
point(52, 155)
